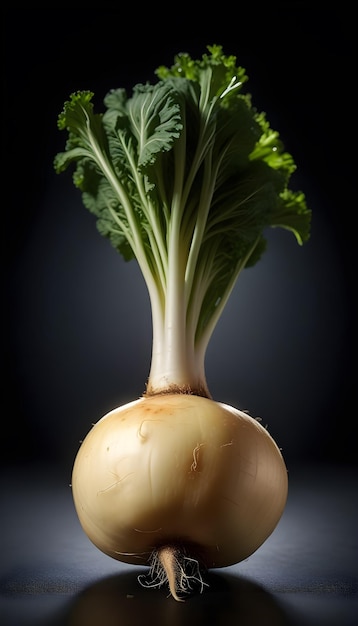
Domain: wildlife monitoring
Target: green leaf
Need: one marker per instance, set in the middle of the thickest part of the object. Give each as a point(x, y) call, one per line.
point(153, 116)
point(185, 175)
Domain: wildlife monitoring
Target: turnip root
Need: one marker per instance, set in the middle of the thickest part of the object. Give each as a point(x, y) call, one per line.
point(173, 475)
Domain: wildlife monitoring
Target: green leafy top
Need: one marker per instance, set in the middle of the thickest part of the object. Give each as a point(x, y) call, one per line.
point(184, 175)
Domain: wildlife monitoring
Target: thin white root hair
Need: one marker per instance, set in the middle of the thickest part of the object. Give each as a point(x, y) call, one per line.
point(196, 451)
point(170, 566)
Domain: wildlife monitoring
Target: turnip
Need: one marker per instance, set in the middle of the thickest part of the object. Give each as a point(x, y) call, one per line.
point(184, 176)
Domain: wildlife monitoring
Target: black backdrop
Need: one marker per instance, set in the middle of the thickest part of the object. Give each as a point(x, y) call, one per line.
point(76, 319)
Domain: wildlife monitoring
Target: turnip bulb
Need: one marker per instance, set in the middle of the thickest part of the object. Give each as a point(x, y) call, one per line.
point(178, 475)
point(183, 176)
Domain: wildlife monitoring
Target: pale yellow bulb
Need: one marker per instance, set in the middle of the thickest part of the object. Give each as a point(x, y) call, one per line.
point(179, 470)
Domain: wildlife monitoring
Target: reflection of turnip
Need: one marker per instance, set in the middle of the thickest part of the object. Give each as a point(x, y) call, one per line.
point(184, 176)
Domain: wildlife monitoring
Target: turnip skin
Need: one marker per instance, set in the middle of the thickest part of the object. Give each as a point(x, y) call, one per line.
point(179, 469)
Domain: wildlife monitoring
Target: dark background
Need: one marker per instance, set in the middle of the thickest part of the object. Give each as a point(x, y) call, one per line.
point(76, 318)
